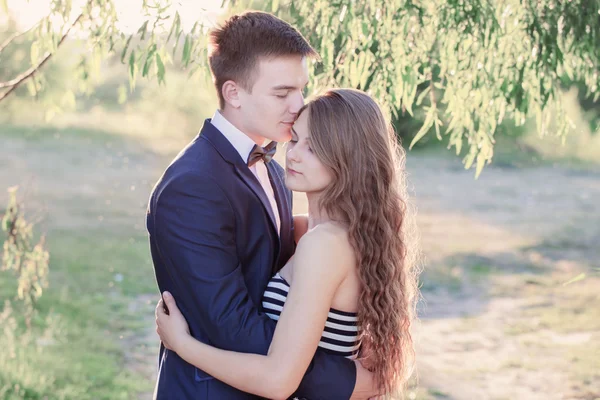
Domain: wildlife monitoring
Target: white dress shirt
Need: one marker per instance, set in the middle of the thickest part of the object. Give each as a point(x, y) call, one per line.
point(244, 145)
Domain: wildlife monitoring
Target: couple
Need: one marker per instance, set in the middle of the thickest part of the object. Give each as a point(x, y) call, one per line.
point(228, 254)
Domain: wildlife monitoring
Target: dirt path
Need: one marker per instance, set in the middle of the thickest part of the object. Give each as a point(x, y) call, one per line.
point(496, 321)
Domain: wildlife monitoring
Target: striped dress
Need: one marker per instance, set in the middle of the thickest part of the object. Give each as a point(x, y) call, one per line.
point(340, 336)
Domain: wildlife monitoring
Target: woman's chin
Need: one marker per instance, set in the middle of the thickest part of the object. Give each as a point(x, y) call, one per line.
point(292, 185)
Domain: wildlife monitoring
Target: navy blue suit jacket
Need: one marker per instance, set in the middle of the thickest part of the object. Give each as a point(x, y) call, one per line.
point(214, 246)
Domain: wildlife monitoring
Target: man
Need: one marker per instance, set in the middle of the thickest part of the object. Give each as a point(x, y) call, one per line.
point(220, 219)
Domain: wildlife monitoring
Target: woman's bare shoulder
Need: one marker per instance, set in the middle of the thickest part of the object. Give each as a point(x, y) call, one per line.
point(328, 242)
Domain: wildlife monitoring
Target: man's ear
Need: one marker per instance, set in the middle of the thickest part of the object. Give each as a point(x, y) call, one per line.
point(231, 95)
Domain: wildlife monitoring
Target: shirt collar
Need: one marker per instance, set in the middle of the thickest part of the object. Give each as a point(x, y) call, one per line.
point(242, 143)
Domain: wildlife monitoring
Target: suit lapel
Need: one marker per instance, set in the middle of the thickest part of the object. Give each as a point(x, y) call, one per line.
point(252, 182)
point(284, 207)
point(229, 154)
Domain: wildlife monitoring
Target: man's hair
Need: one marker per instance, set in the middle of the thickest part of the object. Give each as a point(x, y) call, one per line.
point(236, 47)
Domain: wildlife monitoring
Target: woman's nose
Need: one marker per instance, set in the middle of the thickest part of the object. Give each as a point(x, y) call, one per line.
point(292, 153)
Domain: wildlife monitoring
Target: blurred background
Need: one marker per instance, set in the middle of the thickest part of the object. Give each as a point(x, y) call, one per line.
point(496, 103)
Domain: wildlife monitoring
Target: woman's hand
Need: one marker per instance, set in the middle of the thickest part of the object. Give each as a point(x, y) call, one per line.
point(366, 355)
point(365, 387)
point(172, 327)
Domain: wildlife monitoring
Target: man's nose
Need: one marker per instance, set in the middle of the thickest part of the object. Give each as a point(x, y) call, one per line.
point(297, 101)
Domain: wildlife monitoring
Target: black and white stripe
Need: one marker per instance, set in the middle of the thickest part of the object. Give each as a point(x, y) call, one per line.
point(340, 336)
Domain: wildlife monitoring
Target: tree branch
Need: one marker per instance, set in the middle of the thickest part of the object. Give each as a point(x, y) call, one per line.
point(16, 35)
point(14, 83)
point(10, 39)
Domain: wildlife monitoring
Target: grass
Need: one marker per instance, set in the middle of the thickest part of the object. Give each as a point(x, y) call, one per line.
point(563, 309)
point(441, 276)
point(77, 346)
point(82, 315)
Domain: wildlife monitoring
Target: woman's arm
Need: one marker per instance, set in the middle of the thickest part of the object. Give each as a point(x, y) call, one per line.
point(300, 226)
point(320, 265)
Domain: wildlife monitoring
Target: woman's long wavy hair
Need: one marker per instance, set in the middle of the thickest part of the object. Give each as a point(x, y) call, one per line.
point(350, 135)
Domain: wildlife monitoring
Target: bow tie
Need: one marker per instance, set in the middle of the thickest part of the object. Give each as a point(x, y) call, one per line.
point(260, 153)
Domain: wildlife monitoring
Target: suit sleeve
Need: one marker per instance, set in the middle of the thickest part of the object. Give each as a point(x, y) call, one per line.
point(195, 230)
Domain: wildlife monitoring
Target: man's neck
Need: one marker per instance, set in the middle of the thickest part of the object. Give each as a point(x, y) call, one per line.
point(233, 118)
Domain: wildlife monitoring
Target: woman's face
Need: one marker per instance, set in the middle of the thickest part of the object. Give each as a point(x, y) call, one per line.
point(304, 171)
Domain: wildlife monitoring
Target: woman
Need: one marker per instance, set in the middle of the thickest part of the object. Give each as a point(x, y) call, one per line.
point(351, 287)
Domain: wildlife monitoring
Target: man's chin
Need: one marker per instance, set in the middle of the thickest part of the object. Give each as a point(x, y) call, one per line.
point(281, 137)
point(286, 137)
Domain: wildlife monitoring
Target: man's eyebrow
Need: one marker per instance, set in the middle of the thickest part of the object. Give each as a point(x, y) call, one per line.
point(284, 87)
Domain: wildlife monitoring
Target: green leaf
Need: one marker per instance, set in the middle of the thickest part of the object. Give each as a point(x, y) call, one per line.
point(328, 55)
point(438, 124)
point(539, 121)
point(274, 5)
point(147, 65)
point(34, 53)
point(470, 158)
point(481, 160)
point(122, 93)
point(364, 60)
point(143, 29)
point(194, 27)
point(365, 28)
point(132, 66)
point(177, 37)
point(431, 116)
point(575, 279)
point(124, 52)
point(31, 87)
point(458, 143)
point(410, 91)
point(422, 95)
point(149, 60)
point(175, 27)
point(354, 73)
point(161, 69)
point(185, 56)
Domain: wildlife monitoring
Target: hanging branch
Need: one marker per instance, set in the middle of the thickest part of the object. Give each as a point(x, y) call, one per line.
point(12, 38)
point(17, 35)
point(14, 83)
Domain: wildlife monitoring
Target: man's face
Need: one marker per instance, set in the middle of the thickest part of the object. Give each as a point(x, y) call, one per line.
point(271, 107)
